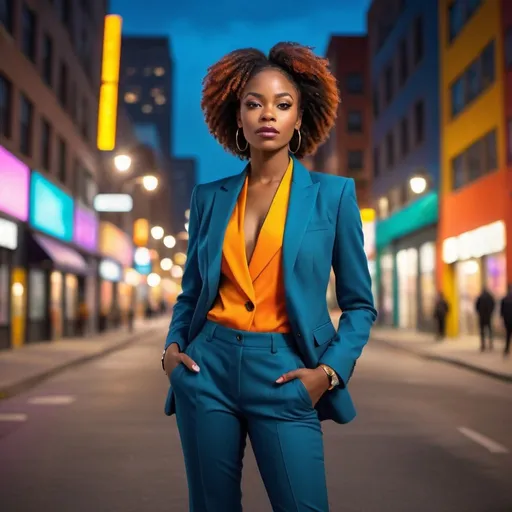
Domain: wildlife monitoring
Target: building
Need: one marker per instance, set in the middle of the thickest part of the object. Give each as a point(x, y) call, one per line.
point(182, 181)
point(146, 78)
point(50, 62)
point(347, 151)
point(476, 212)
point(404, 62)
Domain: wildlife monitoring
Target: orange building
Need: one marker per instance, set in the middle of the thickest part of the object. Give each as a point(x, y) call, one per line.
point(475, 207)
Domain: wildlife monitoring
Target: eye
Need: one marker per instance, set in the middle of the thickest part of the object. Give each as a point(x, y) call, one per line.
point(284, 106)
point(251, 104)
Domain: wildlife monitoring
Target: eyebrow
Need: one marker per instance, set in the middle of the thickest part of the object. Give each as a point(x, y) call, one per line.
point(279, 95)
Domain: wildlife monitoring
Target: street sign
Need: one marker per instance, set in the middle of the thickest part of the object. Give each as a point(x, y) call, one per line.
point(116, 203)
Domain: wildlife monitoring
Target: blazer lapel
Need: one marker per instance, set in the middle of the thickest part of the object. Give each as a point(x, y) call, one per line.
point(303, 195)
point(223, 204)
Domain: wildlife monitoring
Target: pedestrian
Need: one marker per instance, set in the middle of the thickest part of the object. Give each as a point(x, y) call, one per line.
point(131, 318)
point(506, 315)
point(251, 349)
point(484, 307)
point(441, 311)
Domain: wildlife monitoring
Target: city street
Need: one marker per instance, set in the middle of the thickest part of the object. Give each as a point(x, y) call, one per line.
point(429, 438)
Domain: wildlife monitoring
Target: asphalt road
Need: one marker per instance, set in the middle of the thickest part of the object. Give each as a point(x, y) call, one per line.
point(428, 438)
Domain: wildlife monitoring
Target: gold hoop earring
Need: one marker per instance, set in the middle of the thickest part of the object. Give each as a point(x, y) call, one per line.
point(298, 147)
point(238, 145)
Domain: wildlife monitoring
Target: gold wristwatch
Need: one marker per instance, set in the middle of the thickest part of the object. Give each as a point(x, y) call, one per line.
point(333, 377)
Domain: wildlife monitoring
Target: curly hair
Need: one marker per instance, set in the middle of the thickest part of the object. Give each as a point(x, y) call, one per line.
point(225, 81)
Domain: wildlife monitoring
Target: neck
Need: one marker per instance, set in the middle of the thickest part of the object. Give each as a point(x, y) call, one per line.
point(268, 167)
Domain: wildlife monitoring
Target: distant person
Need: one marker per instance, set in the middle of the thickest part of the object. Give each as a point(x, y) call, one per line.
point(441, 310)
point(251, 350)
point(506, 315)
point(484, 307)
point(131, 318)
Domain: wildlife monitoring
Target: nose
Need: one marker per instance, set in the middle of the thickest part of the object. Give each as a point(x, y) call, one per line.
point(268, 115)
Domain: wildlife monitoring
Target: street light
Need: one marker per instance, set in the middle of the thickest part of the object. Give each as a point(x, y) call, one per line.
point(122, 163)
point(166, 264)
point(169, 241)
point(157, 232)
point(153, 280)
point(150, 182)
point(176, 272)
point(418, 184)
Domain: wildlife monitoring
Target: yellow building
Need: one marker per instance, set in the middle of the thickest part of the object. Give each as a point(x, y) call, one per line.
point(474, 206)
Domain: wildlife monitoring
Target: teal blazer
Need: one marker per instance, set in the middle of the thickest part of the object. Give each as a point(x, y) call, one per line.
point(323, 230)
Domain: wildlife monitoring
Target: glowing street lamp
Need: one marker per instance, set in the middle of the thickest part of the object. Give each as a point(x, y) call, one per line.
point(418, 184)
point(157, 232)
point(122, 163)
point(150, 182)
point(153, 280)
point(169, 241)
point(177, 272)
point(166, 264)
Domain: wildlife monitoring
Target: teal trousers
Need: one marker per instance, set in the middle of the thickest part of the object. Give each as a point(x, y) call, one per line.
point(234, 396)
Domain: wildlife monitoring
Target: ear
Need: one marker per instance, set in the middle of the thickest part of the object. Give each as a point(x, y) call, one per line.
point(238, 118)
point(298, 124)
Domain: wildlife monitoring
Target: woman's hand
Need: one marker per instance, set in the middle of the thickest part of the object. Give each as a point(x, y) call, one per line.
point(173, 357)
point(315, 381)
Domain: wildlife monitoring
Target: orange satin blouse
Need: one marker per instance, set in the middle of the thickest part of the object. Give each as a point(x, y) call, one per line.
point(252, 297)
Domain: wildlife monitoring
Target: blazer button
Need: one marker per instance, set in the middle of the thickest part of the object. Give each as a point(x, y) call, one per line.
point(249, 306)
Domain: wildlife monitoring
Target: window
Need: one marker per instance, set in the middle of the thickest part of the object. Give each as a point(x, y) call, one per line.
point(479, 159)
point(478, 76)
point(419, 122)
point(147, 108)
point(376, 161)
point(47, 60)
point(508, 47)
point(355, 160)
point(159, 71)
point(355, 83)
point(388, 84)
point(390, 150)
point(29, 33)
point(46, 140)
point(402, 62)
point(459, 13)
point(355, 121)
point(5, 107)
point(418, 40)
point(62, 160)
point(26, 119)
point(132, 95)
point(6, 14)
point(404, 136)
point(63, 84)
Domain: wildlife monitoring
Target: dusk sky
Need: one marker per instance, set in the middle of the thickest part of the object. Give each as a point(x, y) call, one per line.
point(200, 33)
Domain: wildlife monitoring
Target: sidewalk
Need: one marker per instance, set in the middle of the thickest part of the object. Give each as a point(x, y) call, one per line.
point(30, 364)
point(462, 351)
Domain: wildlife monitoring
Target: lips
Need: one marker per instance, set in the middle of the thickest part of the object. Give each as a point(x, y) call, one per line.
point(270, 130)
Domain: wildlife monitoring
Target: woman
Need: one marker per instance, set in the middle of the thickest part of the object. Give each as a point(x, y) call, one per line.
point(251, 349)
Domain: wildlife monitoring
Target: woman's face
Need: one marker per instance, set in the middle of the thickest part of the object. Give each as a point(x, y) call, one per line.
point(269, 111)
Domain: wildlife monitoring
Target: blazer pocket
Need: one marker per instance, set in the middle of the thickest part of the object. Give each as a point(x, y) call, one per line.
point(318, 226)
point(324, 334)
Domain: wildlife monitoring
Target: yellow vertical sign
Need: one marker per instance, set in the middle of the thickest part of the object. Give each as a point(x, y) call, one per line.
point(18, 306)
point(107, 112)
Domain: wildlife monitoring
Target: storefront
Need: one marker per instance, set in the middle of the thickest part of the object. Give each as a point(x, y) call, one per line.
point(14, 191)
point(405, 265)
point(56, 271)
point(115, 299)
point(479, 260)
point(85, 236)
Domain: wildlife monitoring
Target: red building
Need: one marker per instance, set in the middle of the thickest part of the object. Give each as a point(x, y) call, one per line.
point(347, 151)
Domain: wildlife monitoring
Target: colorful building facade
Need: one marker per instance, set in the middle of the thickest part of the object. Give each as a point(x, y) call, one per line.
point(404, 64)
point(475, 205)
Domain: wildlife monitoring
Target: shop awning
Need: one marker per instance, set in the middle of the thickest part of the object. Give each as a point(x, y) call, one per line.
point(64, 258)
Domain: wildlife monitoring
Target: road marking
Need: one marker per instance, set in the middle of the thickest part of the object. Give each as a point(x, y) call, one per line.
point(13, 417)
point(482, 440)
point(52, 400)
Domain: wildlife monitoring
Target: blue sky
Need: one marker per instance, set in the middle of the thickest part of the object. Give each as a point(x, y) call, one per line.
point(201, 32)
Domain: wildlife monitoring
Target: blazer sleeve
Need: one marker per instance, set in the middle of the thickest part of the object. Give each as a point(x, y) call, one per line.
point(191, 283)
point(353, 288)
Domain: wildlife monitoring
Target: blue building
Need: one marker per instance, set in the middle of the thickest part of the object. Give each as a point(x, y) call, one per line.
point(404, 66)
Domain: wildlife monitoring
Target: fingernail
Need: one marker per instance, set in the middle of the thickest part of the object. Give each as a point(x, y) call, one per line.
point(279, 380)
point(195, 367)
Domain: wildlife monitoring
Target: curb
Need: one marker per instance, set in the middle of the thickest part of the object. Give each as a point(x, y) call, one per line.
point(25, 384)
point(503, 377)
